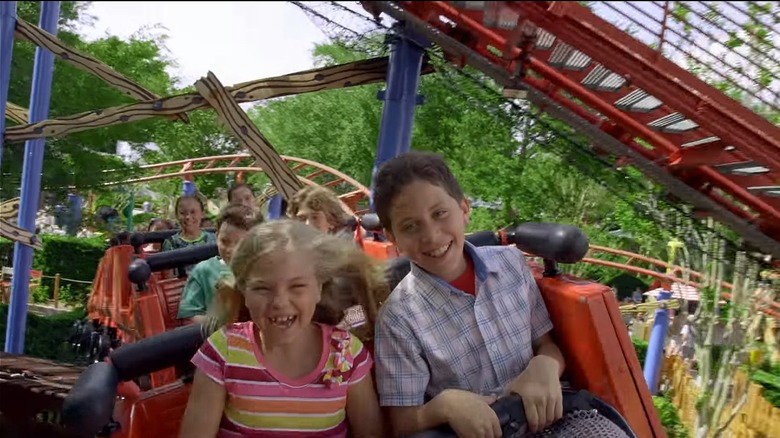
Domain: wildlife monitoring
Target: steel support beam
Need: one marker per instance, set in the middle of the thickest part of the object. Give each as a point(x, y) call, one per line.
point(40, 97)
point(400, 96)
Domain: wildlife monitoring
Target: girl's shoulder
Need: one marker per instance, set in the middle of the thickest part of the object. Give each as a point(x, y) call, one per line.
point(233, 330)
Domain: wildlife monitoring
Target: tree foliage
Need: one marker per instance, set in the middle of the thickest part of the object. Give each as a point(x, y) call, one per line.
point(80, 158)
point(514, 162)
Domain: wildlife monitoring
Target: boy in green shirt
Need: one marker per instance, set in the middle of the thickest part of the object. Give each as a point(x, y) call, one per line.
point(233, 223)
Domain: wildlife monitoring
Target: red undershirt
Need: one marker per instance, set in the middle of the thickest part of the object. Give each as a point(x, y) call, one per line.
point(467, 282)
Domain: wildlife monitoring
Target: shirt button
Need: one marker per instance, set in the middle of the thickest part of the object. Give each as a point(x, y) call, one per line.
point(494, 348)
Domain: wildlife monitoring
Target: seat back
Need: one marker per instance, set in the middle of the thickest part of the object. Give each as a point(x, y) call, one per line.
point(169, 292)
point(156, 413)
point(111, 299)
point(599, 355)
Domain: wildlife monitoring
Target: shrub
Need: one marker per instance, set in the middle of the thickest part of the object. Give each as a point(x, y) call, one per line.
point(47, 337)
point(74, 258)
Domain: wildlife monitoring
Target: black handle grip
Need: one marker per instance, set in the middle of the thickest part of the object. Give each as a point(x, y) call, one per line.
point(511, 414)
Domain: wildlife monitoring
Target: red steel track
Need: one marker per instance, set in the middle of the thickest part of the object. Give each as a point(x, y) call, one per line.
point(722, 156)
point(352, 193)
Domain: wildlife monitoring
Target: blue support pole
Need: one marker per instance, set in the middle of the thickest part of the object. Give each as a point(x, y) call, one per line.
point(400, 96)
point(7, 25)
point(655, 347)
point(31, 183)
point(274, 208)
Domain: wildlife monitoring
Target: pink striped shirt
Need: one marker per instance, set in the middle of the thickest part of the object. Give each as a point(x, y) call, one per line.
point(262, 402)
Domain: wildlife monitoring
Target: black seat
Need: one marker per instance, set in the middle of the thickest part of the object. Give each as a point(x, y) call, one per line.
point(397, 269)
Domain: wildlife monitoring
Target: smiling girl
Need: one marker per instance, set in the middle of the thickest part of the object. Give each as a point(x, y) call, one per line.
point(189, 212)
point(287, 370)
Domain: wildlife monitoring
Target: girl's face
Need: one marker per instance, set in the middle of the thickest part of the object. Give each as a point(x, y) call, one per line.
point(189, 214)
point(281, 293)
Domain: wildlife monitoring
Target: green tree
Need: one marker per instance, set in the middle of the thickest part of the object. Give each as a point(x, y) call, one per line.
point(80, 159)
point(512, 158)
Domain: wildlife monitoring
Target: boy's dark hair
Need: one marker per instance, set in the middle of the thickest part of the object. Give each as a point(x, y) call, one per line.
point(239, 216)
point(235, 187)
point(399, 172)
point(168, 224)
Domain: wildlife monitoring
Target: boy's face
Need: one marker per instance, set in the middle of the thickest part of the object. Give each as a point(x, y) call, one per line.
point(243, 196)
point(228, 238)
point(429, 225)
point(316, 219)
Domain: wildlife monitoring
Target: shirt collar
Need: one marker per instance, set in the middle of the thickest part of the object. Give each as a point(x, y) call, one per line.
point(482, 267)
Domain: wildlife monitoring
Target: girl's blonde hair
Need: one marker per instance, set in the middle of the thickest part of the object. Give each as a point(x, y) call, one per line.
point(348, 276)
point(319, 199)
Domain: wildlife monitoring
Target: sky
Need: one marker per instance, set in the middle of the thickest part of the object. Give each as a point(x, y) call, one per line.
point(238, 41)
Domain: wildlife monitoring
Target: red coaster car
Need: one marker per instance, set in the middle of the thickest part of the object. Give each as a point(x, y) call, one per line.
point(601, 362)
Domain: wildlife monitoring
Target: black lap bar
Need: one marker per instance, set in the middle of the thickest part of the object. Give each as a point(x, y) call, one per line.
point(140, 239)
point(180, 257)
point(157, 352)
point(140, 269)
point(89, 405)
point(557, 242)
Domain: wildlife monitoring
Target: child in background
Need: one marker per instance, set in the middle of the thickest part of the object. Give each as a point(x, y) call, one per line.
point(242, 194)
point(467, 324)
point(232, 224)
point(189, 212)
point(319, 208)
point(157, 224)
point(287, 368)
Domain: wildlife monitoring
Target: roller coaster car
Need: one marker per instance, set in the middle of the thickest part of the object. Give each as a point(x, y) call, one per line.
point(600, 358)
point(136, 294)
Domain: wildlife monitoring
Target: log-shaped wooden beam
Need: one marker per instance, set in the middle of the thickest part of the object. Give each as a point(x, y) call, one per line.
point(82, 61)
point(326, 78)
point(16, 113)
point(9, 209)
point(238, 122)
point(17, 234)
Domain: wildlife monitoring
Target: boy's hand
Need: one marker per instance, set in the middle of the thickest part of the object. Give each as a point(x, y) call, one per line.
point(541, 392)
point(470, 415)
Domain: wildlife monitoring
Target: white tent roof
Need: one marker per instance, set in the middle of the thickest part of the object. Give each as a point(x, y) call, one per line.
point(679, 291)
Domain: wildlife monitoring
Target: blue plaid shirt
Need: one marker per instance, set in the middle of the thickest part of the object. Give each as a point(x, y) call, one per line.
point(431, 336)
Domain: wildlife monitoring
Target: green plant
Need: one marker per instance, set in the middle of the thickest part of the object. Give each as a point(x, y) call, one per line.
point(670, 418)
point(74, 258)
point(640, 347)
point(47, 337)
point(768, 376)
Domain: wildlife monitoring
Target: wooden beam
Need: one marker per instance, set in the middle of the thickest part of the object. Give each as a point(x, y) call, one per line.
point(43, 39)
point(238, 122)
point(327, 78)
point(16, 113)
point(20, 235)
point(9, 209)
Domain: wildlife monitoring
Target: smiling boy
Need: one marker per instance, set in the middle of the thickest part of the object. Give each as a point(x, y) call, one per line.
point(233, 223)
point(467, 324)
